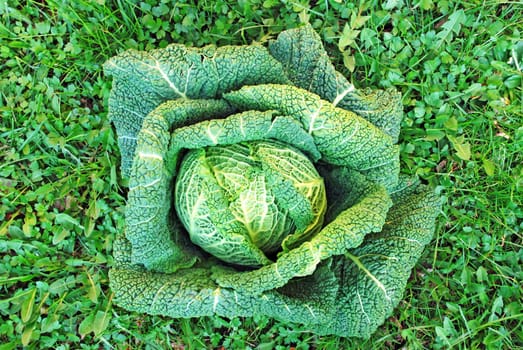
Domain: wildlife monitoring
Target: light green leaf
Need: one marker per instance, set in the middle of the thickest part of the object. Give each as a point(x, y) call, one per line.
point(463, 150)
point(497, 309)
point(60, 236)
point(86, 326)
point(461, 147)
point(451, 27)
point(357, 20)
point(349, 61)
point(93, 289)
point(29, 222)
point(27, 334)
point(100, 322)
point(50, 323)
point(426, 4)
point(489, 166)
point(451, 124)
point(66, 219)
point(481, 274)
point(26, 309)
point(392, 4)
point(348, 37)
point(434, 134)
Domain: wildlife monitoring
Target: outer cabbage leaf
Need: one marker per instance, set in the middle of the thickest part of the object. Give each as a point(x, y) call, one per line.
point(250, 125)
point(347, 295)
point(308, 66)
point(150, 187)
point(342, 137)
point(366, 214)
point(380, 267)
point(143, 80)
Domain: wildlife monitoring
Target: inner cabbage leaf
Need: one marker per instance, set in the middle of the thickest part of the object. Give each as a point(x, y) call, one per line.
point(241, 202)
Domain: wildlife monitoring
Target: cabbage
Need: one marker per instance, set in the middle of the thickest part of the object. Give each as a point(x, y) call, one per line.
point(261, 182)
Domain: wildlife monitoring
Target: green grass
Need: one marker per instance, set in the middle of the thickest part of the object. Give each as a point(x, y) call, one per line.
point(457, 63)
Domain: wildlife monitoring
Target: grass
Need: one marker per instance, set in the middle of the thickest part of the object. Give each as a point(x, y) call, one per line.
point(458, 65)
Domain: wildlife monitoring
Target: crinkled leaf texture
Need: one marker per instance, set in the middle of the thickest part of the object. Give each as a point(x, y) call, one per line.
point(346, 278)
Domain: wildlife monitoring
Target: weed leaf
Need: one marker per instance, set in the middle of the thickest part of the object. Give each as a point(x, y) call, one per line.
point(451, 27)
point(26, 309)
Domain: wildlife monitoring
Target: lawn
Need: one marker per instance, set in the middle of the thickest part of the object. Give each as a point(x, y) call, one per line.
point(458, 65)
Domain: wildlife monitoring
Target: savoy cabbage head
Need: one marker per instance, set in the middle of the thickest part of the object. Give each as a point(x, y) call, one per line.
point(262, 182)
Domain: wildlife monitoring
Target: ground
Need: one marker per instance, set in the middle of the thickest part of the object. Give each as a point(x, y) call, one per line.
point(458, 65)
